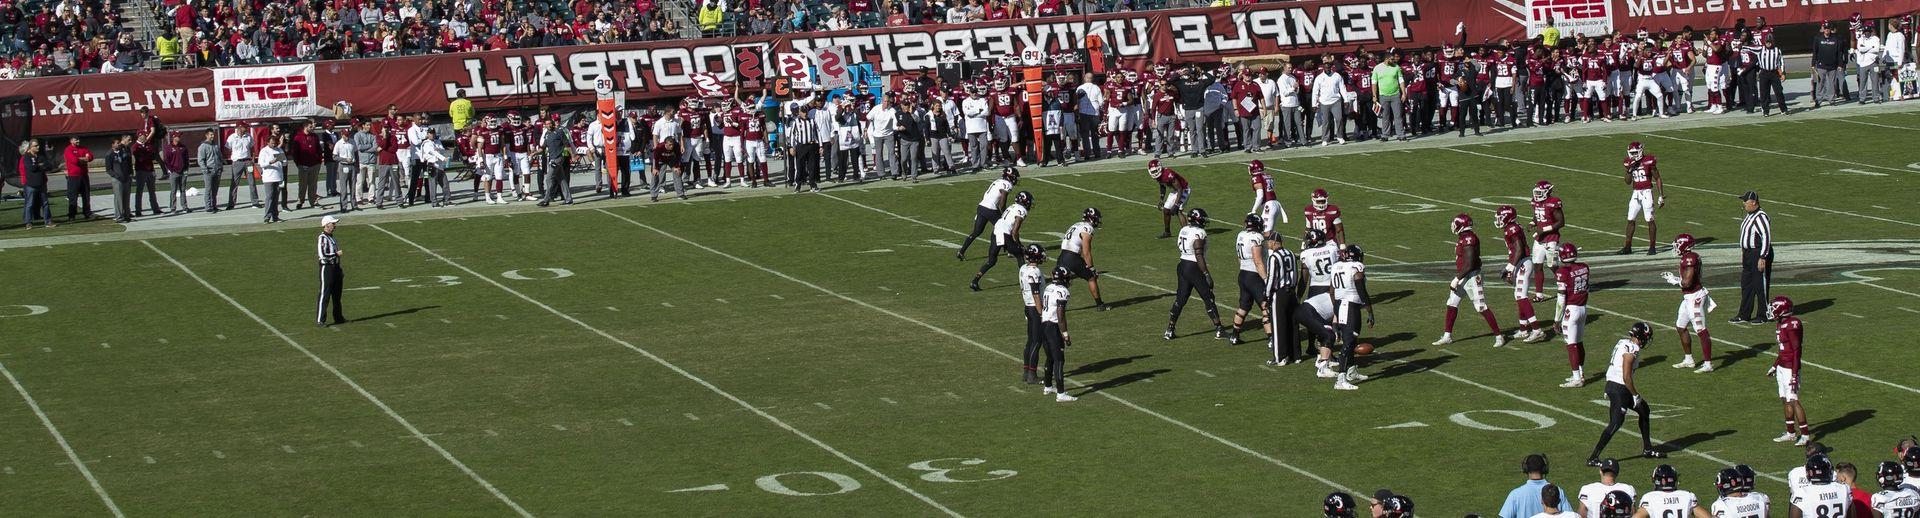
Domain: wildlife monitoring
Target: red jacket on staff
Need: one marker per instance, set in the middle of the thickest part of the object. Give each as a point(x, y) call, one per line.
point(77, 158)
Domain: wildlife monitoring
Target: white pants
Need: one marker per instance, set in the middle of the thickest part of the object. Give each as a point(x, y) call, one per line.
point(756, 151)
point(1546, 254)
point(1693, 310)
point(730, 149)
point(1573, 323)
point(1641, 204)
point(1523, 278)
point(1175, 200)
point(520, 165)
point(1006, 129)
point(496, 167)
point(1595, 90)
point(1647, 86)
point(1470, 289)
point(1125, 118)
point(1788, 390)
point(1449, 96)
point(1716, 79)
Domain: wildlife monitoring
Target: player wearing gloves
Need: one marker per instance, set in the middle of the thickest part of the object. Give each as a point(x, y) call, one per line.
point(1623, 397)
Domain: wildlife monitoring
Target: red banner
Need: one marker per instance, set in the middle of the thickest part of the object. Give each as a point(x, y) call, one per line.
point(565, 75)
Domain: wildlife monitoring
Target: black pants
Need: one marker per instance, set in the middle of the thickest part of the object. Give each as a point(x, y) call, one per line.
point(1035, 339)
point(1754, 285)
point(1470, 113)
point(982, 217)
point(806, 167)
point(1012, 249)
point(1310, 319)
point(560, 183)
point(1280, 315)
point(1253, 290)
point(1619, 402)
point(1191, 280)
point(330, 280)
point(1089, 128)
point(1055, 344)
point(1347, 327)
point(78, 200)
point(1769, 88)
point(1749, 86)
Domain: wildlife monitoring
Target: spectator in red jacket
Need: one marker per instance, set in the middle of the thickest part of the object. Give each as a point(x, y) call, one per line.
point(78, 187)
point(309, 157)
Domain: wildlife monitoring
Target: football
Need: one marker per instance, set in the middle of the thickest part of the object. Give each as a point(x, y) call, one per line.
point(1363, 348)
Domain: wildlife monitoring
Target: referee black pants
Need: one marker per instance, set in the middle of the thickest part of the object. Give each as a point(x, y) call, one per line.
point(1035, 340)
point(1191, 280)
point(806, 166)
point(1754, 284)
point(1055, 343)
point(330, 281)
point(1771, 91)
point(982, 217)
point(1280, 307)
point(1619, 402)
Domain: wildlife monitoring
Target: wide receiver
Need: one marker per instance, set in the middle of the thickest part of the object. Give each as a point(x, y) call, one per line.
point(1173, 192)
point(1649, 192)
point(1786, 371)
point(1519, 271)
point(1466, 282)
point(1695, 303)
point(1548, 218)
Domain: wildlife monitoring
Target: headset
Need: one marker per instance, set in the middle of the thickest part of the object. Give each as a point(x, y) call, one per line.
point(1535, 463)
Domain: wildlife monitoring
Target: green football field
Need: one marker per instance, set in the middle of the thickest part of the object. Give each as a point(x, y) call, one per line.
point(820, 354)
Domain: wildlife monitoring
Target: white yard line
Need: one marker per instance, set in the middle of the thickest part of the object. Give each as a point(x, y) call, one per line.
point(404, 423)
point(996, 352)
point(682, 372)
point(1864, 123)
point(72, 456)
point(1419, 197)
point(1690, 188)
point(1781, 153)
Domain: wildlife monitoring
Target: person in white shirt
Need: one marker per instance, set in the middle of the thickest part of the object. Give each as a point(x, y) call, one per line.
point(1053, 327)
point(1822, 496)
point(1737, 497)
point(883, 120)
point(240, 160)
point(433, 162)
point(1087, 116)
point(1269, 106)
point(1287, 121)
point(348, 160)
point(1591, 494)
point(1192, 274)
point(1031, 282)
point(1895, 58)
point(1667, 500)
point(1329, 100)
point(273, 172)
point(1867, 54)
point(1349, 296)
point(1550, 500)
point(975, 111)
point(1896, 499)
point(1247, 247)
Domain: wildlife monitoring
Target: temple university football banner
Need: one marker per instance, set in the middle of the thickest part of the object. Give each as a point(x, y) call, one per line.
point(647, 70)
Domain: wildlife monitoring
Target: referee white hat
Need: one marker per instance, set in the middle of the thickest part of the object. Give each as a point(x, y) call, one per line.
point(328, 220)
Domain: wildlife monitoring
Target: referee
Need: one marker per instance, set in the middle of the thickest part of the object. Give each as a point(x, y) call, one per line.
point(329, 252)
point(1283, 276)
point(1773, 70)
point(1756, 261)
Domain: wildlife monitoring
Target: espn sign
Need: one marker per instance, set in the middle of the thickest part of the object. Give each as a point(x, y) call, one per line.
point(280, 91)
point(1573, 17)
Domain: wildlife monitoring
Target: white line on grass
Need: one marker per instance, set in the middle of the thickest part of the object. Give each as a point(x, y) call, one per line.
point(985, 347)
point(1888, 126)
point(677, 370)
point(62, 440)
point(404, 423)
point(1690, 188)
point(1781, 153)
point(1419, 197)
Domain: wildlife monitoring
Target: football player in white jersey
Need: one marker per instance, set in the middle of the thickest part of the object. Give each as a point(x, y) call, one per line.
point(1622, 396)
point(1667, 500)
point(1006, 235)
point(1911, 458)
point(1317, 256)
point(1592, 493)
point(1349, 296)
point(1896, 499)
point(1737, 500)
point(1193, 275)
point(1053, 327)
point(1247, 247)
point(1617, 504)
point(989, 209)
point(1822, 497)
point(1032, 281)
point(1076, 253)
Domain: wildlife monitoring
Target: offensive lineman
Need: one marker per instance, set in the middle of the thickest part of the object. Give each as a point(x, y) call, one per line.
point(1193, 274)
point(1006, 235)
point(1622, 397)
point(1695, 303)
point(1466, 281)
point(1667, 500)
point(1737, 500)
point(1077, 247)
point(1350, 295)
point(1253, 272)
point(1573, 278)
point(1786, 371)
point(1031, 283)
point(1822, 496)
point(1168, 180)
point(1649, 192)
point(1896, 499)
point(1265, 203)
point(1519, 272)
point(1053, 327)
point(1316, 310)
point(989, 209)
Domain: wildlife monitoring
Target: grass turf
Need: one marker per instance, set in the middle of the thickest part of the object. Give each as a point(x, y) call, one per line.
point(820, 355)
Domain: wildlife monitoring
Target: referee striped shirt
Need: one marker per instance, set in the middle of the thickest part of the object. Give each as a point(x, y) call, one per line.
point(328, 249)
point(1768, 58)
point(1756, 233)
point(1282, 269)
point(800, 129)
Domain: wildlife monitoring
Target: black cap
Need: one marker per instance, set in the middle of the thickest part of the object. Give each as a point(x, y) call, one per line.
point(1381, 495)
point(1610, 466)
point(1750, 196)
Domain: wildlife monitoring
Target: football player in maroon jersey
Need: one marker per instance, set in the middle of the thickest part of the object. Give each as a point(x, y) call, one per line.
point(1266, 204)
point(1572, 276)
point(1548, 218)
point(1649, 192)
point(1174, 192)
point(1325, 217)
point(1695, 303)
point(1519, 271)
point(1786, 371)
point(1466, 283)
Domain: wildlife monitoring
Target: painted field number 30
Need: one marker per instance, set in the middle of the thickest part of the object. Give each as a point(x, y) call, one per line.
point(952, 470)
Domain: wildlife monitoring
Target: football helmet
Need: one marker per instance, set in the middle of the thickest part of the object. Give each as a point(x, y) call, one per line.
point(1890, 475)
point(1353, 253)
point(1131, 75)
point(1153, 169)
point(1011, 174)
point(1256, 167)
point(1091, 215)
point(1746, 476)
point(1319, 198)
point(1505, 216)
point(1462, 223)
point(1635, 150)
point(1396, 506)
point(1682, 244)
point(1024, 198)
point(1542, 190)
point(1197, 217)
point(1061, 275)
point(1640, 331)
point(493, 122)
point(1727, 481)
point(1665, 478)
point(1253, 222)
point(1313, 238)
point(1569, 252)
point(1338, 505)
point(1617, 504)
point(1912, 459)
point(1036, 253)
point(1781, 306)
point(1819, 469)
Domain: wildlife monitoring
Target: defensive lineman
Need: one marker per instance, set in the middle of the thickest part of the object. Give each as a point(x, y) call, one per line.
point(1324, 217)
point(1247, 247)
point(1173, 192)
point(1822, 496)
point(1649, 192)
point(1519, 273)
point(988, 211)
point(1695, 303)
point(1466, 282)
point(1350, 295)
point(331, 277)
point(1076, 253)
point(1006, 235)
point(1786, 371)
point(1574, 281)
point(1667, 500)
point(1053, 327)
point(1193, 274)
point(1622, 397)
point(1032, 282)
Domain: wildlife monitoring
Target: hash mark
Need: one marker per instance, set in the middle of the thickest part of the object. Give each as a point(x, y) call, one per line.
point(103, 345)
point(556, 426)
point(1786, 214)
point(1404, 247)
point(218, 455)
point(624, 422)
point(220, 337)
point(1881, 208)
point(491, 433)
point(611, 308)
point(938, 284)
point(46, 349)
point(691, 417)
point(391, 326)
point(502, 317)
point(148, 458)
point(1205, 373)
point(356, 444)
point(1851, 315)
point(7, 469)
point(1909, 310)
point(890, 401)
point(722, 301)
point(1149, 267)
point(884, 288)
point(286, 448)
point(445, 321)
point(953, 395)
point(162, 340)
point(667, 304)
point(823, 406)
point(1696, 223)
point(777, 297)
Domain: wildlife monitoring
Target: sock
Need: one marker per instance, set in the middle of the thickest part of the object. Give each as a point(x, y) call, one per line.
point(1791, 428)
point(1491, 323)
point(1706, 346)
point(1576, 356)
point(1804, 431)
point(1526, 312)
point(1586, 108)
point(1451, 313)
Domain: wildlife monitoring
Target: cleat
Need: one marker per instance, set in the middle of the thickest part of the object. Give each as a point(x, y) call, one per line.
point(1650, 251)
point(1029, 378)
point(1164, 235)
point(1233, 339)
point(1686, 363)
point(1499, 340)
point(1626, 250)
point(1063, 398)
point(1445, 338)
point(960, 256)
point(1219, 333)
point(1786, 437)
point(975, 285)
point(1169, 334)
point(1341, 384)
point(1803, 441)
point(1654, 454)
point(1573, 383)
point(1046, 390)
point(1705, 367)
point(1535, 336)
point(1271, 363)
point(1593, 462)
point(1324, 372)
point(1356, 376)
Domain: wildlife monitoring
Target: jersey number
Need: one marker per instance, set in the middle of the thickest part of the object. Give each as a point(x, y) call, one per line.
point(1829, 511)
point(1322, 266)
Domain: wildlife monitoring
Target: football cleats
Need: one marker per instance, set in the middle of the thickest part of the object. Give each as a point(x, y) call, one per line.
point(1253, 222)
point(1338, 505)
point(1011, 174)
point(1781, 306)
point(1727, 481)
point(1036, 253)
point(1091, 215)
point(1890, 475)
point(1634, 150)
point(1319, 198)
point(1256, 167)
point(1617, 504)
point(1665, 478)
point(1396, 506)
point(1542, 190)
point(1569, 252)
point(1819, 469)
point(1505, 216)
point(1313, 238)
point(1682, 244)
point(1024, 198)
point(1640, 331)
point(1197, 217)
point(1153, 169)
point(1462, 223)
point(1353, 253)
point(1061, 275)
point(1746, 476)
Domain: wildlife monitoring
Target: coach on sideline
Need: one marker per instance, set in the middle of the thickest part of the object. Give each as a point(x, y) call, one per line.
point(1524, 501)
point(1756, 261)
